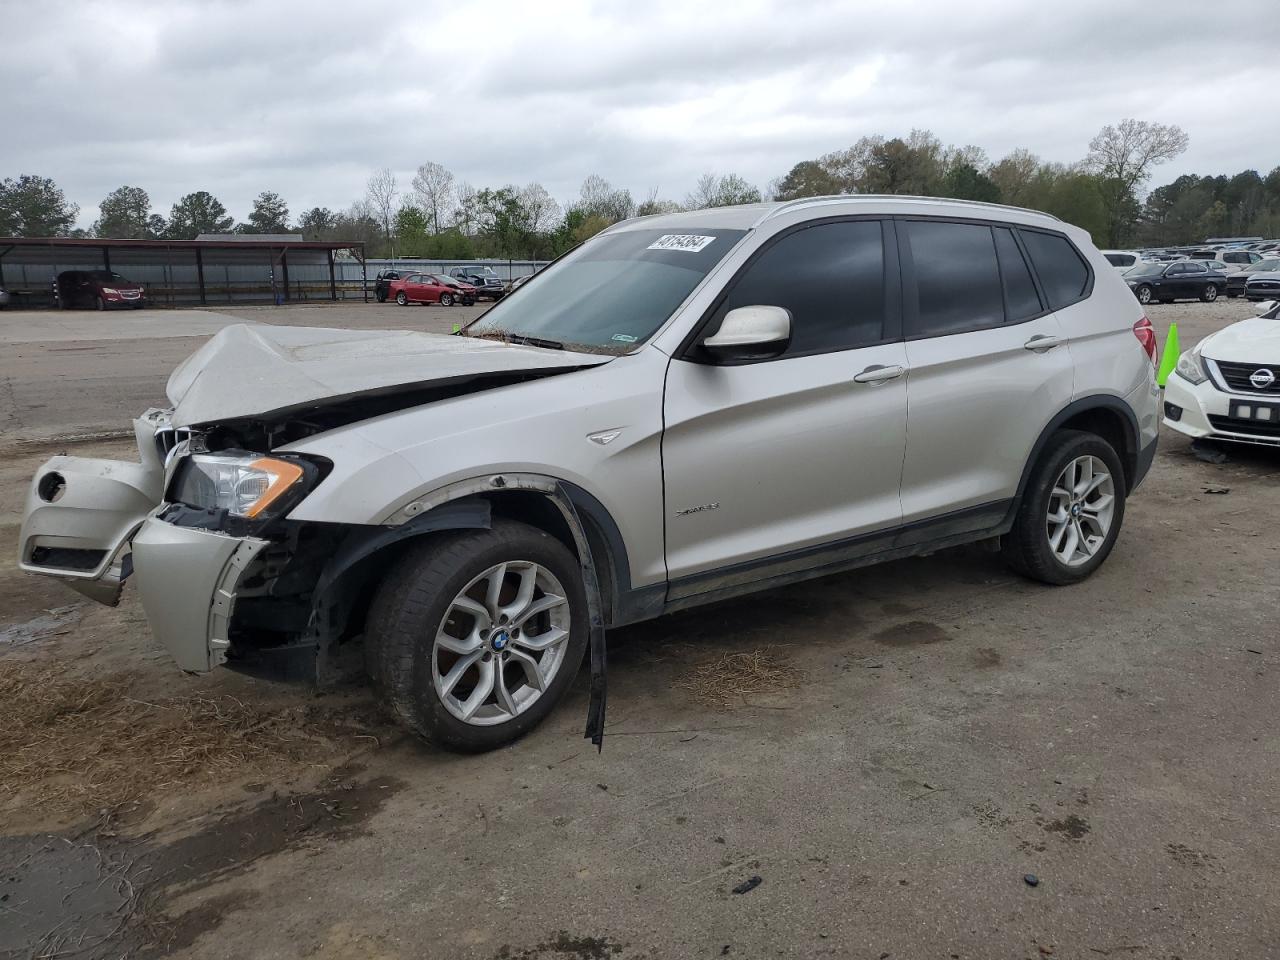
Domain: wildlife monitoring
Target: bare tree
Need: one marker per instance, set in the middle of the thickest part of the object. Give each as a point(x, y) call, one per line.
point(716, 191)
point(599, 198)
point(382, 193)
point(433, 185)
point(1128, 151)
point(1122, 156)
point(652, 206)
point(541, 212)
point(704, 192)
point(464, 214)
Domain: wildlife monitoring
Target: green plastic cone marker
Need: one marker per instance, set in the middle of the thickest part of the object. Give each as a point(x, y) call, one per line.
point(1169, 359)
point(457, 328)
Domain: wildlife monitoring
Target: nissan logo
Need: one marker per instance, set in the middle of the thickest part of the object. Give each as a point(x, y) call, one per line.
point(1262, 378)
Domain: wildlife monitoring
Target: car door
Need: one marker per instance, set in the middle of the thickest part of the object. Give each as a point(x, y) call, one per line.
point(764, 460)
point(1193, 279)
point(413, 288)
point(989, 367)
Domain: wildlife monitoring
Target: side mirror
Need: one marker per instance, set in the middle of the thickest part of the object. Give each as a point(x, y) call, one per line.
point(750, 333)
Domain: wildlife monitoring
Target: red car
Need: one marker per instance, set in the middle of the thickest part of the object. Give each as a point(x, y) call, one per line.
point(101, 289)
point(425, 288)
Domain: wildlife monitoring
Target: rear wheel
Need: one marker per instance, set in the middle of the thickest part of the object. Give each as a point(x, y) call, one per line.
point(446, 300)
point(1209, 293)
point(402, 299)
point(475, 636)
point(1071, 510)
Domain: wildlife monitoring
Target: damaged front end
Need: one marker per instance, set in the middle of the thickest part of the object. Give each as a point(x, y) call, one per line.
point(93, 523)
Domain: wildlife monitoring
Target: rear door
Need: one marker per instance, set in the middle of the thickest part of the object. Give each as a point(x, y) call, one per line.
point(990, 366)
point(767, 458)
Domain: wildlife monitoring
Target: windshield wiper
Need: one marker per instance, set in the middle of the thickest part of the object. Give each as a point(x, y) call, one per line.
point(535, 341)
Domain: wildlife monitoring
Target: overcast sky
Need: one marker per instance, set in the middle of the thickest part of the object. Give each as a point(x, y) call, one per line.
point(306, 99)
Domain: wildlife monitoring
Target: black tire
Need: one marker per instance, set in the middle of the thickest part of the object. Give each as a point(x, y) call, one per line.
point(402, 299)
point(99, 303)
point(1143, 293)
point(380, 296)
point(468, 301)
point(1026, 547)
point(1209, 293)
point(411, 604)
point(446, 300)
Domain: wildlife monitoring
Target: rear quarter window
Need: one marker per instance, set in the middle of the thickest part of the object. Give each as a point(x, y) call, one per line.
point(1064, 275)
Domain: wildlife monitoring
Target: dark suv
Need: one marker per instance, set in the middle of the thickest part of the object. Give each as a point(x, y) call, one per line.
point(101, 289)
point(382, 283)
point(486, 282)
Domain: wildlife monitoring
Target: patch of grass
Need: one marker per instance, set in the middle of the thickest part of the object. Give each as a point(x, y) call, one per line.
point(731, 679)
point(74, 745)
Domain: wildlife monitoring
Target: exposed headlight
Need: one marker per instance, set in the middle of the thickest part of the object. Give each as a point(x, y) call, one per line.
point(251, 486)
point(111, 291)
point(1191, 368)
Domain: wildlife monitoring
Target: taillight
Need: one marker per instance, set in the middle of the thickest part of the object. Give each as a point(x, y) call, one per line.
point(1146, 335)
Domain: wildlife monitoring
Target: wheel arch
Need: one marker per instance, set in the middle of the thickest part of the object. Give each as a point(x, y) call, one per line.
point(563, 510)
point(1106, 416)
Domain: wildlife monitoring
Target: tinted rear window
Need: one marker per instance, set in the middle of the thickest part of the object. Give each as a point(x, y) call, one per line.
point(957, 278)
point(1062, 272)
point(1020, 298)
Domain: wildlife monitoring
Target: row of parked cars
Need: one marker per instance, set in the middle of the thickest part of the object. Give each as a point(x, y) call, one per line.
point(463, 285)
point(1157, 276)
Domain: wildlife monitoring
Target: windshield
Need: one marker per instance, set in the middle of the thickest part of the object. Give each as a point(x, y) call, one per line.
point(107, 275)
point(612, 292)
point(1146, 270)
point(447, 281)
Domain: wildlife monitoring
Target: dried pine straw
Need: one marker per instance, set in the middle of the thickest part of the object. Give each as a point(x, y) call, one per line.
point(76, 745)
point(733, 678)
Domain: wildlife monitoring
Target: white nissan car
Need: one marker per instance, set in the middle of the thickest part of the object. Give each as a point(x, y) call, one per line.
point(1227, 387)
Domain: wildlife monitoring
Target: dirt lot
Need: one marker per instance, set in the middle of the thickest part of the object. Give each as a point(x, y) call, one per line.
point(891, 751)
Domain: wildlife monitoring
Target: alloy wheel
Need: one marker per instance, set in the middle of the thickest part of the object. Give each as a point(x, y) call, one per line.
point(1210, 293)
point(1081, 509)
point(501, 644)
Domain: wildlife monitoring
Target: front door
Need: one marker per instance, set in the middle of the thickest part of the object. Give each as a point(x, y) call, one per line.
point(766, 458)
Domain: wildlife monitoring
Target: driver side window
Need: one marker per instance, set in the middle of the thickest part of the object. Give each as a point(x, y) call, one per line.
point(830, 276)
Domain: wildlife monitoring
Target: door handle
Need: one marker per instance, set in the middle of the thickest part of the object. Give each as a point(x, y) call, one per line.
point(1040, 343)
point(878, 373)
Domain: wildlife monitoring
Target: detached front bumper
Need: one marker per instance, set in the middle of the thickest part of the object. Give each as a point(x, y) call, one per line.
point(92, 524)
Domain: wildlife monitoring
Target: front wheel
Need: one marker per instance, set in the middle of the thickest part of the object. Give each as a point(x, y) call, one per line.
point(474, 637)
point(1210, 293)
point(1071, 510)
point(99, 303)
point(468, 301)
point(1144, 294)
point(446, 300)
point(402, 299)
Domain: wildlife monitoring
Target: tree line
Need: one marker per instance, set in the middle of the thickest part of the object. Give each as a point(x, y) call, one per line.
point(436, 215)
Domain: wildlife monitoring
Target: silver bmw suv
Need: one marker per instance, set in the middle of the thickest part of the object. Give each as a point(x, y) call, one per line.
point(681, 410)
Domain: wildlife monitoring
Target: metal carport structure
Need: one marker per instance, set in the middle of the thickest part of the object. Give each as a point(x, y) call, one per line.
point(242, 269)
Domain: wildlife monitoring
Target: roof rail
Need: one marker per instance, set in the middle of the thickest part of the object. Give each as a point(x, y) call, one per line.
point(819, 201)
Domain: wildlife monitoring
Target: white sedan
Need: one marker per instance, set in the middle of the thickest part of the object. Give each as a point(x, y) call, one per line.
point(1228, 386)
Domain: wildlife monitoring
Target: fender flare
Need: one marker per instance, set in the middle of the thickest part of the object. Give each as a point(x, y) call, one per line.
point(458, 506)
point(1101, 401)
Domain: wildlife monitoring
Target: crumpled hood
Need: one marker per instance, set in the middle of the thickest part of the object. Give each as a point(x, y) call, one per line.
point(251, 370)
point(1249, 341)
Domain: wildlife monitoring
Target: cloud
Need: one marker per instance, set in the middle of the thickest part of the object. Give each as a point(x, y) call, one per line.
point(306, 99)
